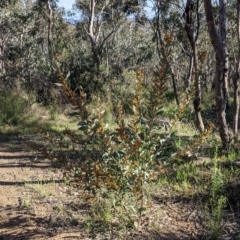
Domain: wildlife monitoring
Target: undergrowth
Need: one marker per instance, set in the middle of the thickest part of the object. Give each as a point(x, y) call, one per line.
point(112, 166)
point(12, 108)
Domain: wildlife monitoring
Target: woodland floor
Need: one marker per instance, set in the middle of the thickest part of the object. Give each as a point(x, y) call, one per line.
point(36, 204)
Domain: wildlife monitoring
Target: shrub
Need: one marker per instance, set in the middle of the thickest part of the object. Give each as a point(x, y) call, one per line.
point(116, 163)
point(113, 163)
point(12, 108)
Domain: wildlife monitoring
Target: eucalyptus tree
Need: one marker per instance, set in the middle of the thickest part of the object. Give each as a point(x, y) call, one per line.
point(237, 79)
point(103, 19)
point(218, 39)
point(45, 10)
point(28, 43)
point(192, 25)
point(15, 26)
point(100, 31)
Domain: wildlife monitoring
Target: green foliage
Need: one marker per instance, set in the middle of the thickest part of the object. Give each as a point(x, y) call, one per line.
point(217, 182)
point(185, 172)
point(12, 108)
point(120, 145)
point(114, 164)
point(169, 95)
point(54, 110)
point(217, 205)
point(217, 201)
point(117, 163)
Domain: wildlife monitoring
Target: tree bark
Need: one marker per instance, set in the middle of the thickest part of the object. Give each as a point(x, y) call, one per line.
point(189, 27)
point(237, 80)
point(175, 88)
point(190, 71)
point(50, 25)
point(94, 31)
point(92, 37)
point(221, 74)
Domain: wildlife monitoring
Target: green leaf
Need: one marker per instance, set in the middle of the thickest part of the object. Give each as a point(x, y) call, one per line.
point(142, 209)
point(83, 128)
point(58, 84)
point(173, 134)
point(106, 154)
point(73, 114)
point(82, 123)
point(159, 112)
point(68, 74)
point(162, 141)
point(119, 153)
point(58, 64)
point(133, 208)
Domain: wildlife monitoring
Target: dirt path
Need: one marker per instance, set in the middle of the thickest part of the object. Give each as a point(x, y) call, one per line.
point(33, 199)
point(36, 204)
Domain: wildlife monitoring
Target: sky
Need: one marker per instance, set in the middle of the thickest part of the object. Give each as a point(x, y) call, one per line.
point(67, 4)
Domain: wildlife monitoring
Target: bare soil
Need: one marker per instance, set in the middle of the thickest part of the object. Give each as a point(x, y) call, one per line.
point(35, 203)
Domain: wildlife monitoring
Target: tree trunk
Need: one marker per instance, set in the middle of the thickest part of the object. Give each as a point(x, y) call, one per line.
point(189, 27)
point(50, 25)
point(92, 37)
point(236, 81)
point(190, 71)
point(175, 88)
point(221, 74)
